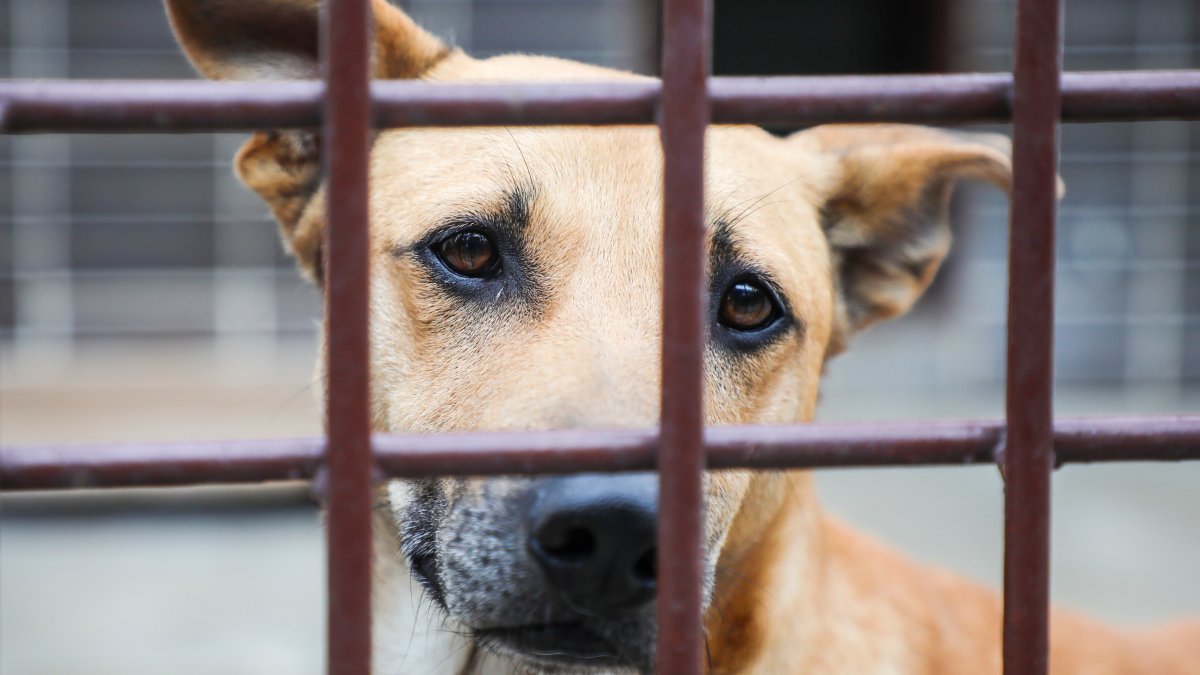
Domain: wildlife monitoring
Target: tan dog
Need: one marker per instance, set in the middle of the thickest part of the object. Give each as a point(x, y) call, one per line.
point(516, 285)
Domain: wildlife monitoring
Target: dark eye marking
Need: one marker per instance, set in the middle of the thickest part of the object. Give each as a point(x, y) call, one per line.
point(748, 311)
point(482, 255)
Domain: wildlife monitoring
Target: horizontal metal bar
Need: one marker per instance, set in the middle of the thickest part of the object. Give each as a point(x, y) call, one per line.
point(1079, 440)
point(88, 106)
point(1132, 95)
point(976, 97)
point(158, 464)
point(403, 104)
point(67, 106)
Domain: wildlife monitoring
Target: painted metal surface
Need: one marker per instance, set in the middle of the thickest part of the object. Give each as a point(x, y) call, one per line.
point(1081, 440)
point(346, 135)
point(684, 116)
point(185, 106)
point(1029, 435)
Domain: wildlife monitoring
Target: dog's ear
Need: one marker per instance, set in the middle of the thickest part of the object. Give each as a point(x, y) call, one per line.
point(885, 197)
point(278, 40)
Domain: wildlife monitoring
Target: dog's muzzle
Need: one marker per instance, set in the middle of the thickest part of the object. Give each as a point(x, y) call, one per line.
point(556, 572)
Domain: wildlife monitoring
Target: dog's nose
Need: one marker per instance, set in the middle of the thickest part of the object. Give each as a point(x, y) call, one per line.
point(594, 536)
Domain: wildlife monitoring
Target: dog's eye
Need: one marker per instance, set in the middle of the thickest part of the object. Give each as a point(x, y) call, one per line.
point(470, 253)
point(747, 306)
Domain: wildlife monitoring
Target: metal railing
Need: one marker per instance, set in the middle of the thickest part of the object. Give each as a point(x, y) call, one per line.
point(1027, 445)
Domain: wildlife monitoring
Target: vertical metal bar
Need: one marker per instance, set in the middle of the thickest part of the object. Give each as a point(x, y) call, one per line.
point(684, 117)
point(1028, 457)
point(346, 41)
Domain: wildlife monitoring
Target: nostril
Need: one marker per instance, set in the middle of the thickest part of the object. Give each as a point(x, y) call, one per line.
point(645, 568)
point(569, 544)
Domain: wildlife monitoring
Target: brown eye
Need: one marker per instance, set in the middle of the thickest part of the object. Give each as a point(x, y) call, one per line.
point(470, 253)
point(747, 306)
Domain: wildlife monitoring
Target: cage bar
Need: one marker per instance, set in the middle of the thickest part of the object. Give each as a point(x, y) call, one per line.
point(1029, 438)
point(796, 446)
point(346, 39)
point(186, 106)
point(683, 119)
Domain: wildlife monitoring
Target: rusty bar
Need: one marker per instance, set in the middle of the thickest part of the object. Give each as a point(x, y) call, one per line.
point(799, 100)
point(167, 106)
point(110, 465)
point(1137, 95)
point(411, 103)
point(1127, 439)
point(346, 41)
point(1029, 436)
point(177, 106)
point(822, 445)
point(683, 121)
point(957, 98)
point(67, 106)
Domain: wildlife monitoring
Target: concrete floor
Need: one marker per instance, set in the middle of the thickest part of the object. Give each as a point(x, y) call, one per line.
point(220, 581)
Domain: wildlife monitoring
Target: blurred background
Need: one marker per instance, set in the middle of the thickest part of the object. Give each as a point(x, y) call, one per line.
point(144, 296)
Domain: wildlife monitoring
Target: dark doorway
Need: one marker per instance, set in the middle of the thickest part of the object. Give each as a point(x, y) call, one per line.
point(817, 37)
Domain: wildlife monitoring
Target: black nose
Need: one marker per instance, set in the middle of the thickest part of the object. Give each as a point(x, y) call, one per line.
point(594, 536)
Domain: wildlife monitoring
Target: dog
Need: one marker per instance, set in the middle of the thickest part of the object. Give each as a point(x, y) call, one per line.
point(516, 285)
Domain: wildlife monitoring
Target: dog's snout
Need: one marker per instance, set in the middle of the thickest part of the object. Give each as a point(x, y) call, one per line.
point(594, 537)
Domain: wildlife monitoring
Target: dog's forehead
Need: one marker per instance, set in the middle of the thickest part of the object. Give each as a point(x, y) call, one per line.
point(581, 179)
point(599, 188)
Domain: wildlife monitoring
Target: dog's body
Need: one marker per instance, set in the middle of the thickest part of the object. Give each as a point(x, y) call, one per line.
point(516, 285)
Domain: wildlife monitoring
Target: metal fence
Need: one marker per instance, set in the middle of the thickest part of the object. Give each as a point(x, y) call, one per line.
point(1027, 445)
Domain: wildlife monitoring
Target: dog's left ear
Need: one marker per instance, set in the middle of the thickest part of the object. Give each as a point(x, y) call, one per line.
point(278, 40)
point(885, 191)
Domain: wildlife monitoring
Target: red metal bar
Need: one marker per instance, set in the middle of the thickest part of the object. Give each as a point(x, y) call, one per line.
point(684, 118)
point(179, 106)
point(170, 106)
point(346, 35)
point(1028, 453)
point(1136, 95)
point(106, 465)
point(1127, 439)
point(798, 100)
point(411, 103)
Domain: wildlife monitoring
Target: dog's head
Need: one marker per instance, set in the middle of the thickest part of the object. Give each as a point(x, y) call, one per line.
point(516, 284)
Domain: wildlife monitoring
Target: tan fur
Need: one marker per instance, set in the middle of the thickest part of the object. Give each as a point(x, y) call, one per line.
point(849, 219)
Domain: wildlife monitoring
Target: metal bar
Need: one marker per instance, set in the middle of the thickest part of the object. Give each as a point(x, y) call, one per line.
point(1136, 95)
point(809, 446)
point(346, 41)
point(957, 98)
point(170, 106)
point(683, 121)
point(111, 465)
point(177, 106)
point(406, 104)
point(801, 100)
point(1029, 437)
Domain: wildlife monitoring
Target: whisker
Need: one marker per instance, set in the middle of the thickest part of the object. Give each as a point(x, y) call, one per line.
point(528, 171)
point(742, 215)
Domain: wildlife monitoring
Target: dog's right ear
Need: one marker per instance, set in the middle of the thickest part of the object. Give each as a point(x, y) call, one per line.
point(278, 40)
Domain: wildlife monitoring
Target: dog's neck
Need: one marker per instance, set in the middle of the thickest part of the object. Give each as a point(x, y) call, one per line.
point(769, 591)
point(806, 593)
